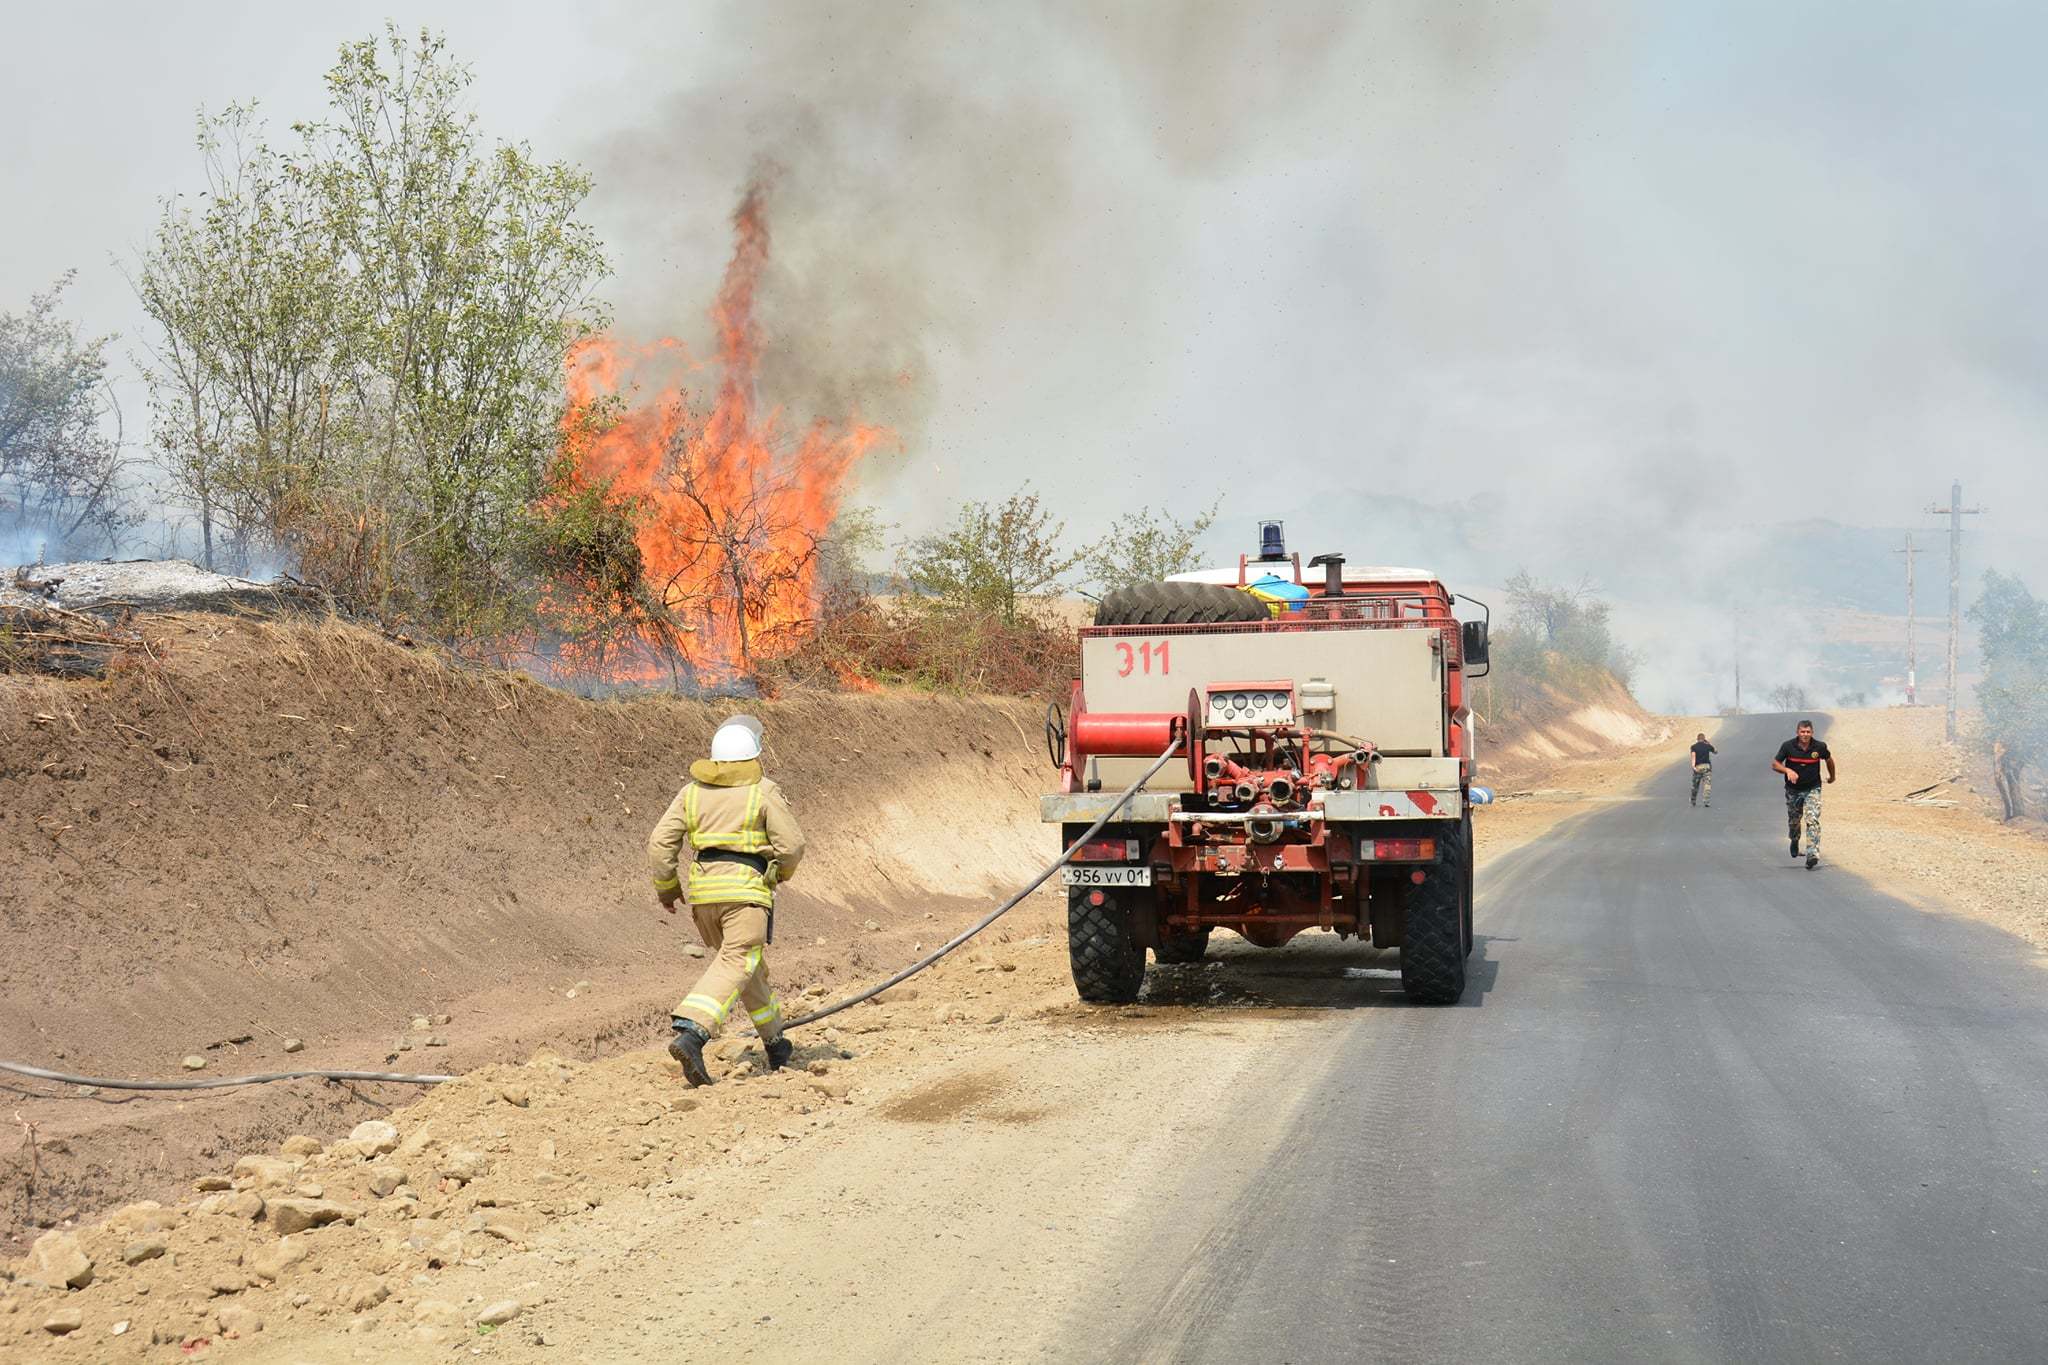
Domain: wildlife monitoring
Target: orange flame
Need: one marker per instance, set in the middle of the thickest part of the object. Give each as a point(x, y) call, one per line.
point(732, 508)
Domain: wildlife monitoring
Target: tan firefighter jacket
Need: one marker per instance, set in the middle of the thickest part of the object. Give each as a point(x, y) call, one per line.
point(731, 806)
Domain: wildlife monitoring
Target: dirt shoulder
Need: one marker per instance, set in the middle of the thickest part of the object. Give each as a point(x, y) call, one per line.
point(1946, 847)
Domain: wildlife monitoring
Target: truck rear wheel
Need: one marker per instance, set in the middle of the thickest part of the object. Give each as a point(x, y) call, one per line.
point(1433, 942)
point(1176, 604)
point(1178, 948)
point(1108, 964)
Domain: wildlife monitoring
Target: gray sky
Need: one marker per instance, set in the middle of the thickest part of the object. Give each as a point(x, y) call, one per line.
point(1639, 277)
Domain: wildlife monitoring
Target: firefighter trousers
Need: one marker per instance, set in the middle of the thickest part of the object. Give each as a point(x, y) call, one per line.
point(736, 935)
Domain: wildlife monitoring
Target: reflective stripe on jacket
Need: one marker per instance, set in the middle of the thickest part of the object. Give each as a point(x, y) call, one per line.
point(729, 806)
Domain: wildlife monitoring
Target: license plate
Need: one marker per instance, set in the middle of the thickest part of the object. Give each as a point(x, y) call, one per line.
point(1106, 876)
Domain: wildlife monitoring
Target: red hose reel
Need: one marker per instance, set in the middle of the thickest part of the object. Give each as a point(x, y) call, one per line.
point(1130, 734)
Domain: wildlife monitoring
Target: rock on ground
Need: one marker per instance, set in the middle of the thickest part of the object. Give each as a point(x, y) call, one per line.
point(57, 1260)
point(241, 1204)
point(258, 1172)
point(145, 1249)
point(273, 1261)
point(296, 1215)
point(464, 1165)
point(374, 1136)
point(237, 1321)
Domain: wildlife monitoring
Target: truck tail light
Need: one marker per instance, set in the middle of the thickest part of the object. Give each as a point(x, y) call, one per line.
point(1404, 850)
point(1107, 851)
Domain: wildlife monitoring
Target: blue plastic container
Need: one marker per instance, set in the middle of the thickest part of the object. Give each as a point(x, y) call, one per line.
point(1279, 594)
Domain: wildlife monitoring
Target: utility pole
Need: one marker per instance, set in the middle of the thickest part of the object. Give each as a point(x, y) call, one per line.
point(1735, 648)
point(1955, 512)
point(1912, 661)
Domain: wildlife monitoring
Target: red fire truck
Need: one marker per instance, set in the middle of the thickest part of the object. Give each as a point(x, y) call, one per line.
point(1322, 777)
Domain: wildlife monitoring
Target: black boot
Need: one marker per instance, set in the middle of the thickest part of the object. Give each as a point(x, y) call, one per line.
point(1795, 846)
point(779, 1053)
point(687, 1047)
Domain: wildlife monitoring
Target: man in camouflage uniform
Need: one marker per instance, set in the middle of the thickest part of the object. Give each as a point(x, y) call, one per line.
point(745, 842)
point(1702, 770)
point(1800, 759)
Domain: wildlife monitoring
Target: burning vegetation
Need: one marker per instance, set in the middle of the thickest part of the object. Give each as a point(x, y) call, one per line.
point(694, 518)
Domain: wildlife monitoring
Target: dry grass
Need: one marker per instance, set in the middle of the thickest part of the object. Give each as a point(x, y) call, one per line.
point(915, 644)
point(1948, 847)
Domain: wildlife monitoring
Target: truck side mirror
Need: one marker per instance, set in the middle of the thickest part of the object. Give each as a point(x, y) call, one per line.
point(1473, 641)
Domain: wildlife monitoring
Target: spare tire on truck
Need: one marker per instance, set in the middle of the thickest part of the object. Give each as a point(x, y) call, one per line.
point(1178, 604)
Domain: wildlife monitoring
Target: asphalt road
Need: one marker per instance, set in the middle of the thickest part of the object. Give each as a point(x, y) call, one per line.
point(1698, 1104)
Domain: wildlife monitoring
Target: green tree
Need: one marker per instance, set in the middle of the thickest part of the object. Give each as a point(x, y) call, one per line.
point(994, 558)
point(2012, 626)
point(473, 274)
point(1147, 546)
point(1568, 618)
point(359, 339)
point(60, 464)
point(855, 534)
point(254, 380)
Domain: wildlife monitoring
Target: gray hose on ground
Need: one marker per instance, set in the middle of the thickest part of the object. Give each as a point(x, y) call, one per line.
point(992, 916)
point(218, 1082)
point(227, 1082)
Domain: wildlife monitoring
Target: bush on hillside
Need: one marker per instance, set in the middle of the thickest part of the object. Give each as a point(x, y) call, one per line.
point(862, 640)
point(2013, 626)
point(1555, 640)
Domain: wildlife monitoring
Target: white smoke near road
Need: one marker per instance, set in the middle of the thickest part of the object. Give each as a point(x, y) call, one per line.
point(1628, 295)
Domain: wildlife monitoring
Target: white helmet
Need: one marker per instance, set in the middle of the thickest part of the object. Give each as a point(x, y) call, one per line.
point(737, 740)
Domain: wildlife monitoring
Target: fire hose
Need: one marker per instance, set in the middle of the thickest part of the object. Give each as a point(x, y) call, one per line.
point(265, 1078)
point(218, 1082)
point(992, 916)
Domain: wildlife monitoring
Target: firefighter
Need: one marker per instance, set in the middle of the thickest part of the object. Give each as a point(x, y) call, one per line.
point(745, 841)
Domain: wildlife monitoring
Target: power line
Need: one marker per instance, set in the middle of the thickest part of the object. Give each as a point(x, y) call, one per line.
point(1912, 660)
point(1955, 511)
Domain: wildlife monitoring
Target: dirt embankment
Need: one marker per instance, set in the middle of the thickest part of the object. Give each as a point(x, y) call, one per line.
point(264, 831)
point(1560, 729)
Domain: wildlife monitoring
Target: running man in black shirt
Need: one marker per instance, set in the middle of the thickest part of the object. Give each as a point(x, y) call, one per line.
point(1799, 759)
point(1702, 770)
